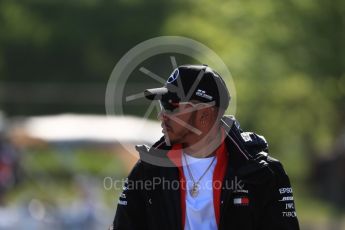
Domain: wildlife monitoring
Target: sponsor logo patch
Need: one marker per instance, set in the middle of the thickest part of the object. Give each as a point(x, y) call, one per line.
point(285, 190)
point(240, 191)
point(202, 93)
point(246, 137)
point(241, 201)
point(122, 202)
point(287, 198)
point(173, 76)
point(289, 214)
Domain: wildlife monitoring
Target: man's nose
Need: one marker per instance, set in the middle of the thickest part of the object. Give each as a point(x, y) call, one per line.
point(162, 116)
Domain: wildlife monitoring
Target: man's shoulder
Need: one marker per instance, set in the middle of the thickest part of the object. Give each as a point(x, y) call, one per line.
point(276, 166)
point(257, 161)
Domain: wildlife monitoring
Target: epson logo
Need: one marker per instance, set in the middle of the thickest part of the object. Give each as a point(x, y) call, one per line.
point(285, 190)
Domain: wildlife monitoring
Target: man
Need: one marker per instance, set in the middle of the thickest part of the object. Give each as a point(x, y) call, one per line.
point(205, 172)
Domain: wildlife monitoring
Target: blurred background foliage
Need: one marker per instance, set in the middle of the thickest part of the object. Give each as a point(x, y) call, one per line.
point(287, 59)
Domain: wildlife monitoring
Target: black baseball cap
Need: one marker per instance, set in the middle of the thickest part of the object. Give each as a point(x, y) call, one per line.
point(192, 82)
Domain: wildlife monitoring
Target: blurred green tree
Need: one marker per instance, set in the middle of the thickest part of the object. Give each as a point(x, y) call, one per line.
point(287, 58)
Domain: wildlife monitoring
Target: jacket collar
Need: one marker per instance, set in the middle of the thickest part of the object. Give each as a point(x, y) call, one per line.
point(241, 160)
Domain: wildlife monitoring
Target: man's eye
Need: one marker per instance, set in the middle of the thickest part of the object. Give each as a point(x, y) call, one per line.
point(170, 107)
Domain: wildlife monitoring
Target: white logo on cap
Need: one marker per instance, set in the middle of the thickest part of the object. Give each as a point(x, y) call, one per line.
point(173, 76)
point(202, 93)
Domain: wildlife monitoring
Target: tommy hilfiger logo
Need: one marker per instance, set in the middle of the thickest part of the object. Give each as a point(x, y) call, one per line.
point(241, 201)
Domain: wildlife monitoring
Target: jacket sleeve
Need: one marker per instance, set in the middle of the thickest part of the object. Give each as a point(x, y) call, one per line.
point(279, 211)
point(130, 212)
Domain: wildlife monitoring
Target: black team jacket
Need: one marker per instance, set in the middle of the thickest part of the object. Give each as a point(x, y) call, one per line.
point(255, 192)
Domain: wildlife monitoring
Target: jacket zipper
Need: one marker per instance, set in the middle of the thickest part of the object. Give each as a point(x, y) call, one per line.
point(225, 198)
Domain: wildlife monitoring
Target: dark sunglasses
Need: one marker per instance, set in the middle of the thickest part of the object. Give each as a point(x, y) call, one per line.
point(175, 107)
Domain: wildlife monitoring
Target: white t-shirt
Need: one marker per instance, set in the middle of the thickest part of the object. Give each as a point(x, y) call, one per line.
point(199, 210)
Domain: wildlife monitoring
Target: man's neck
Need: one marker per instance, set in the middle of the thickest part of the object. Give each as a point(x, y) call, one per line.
point(205, 146)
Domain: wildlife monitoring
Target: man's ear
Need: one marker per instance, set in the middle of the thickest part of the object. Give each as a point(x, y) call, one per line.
point(213, 114)
point(206, 117)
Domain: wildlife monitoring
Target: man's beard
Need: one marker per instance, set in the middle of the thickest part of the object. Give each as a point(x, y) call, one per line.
point(182, 136)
